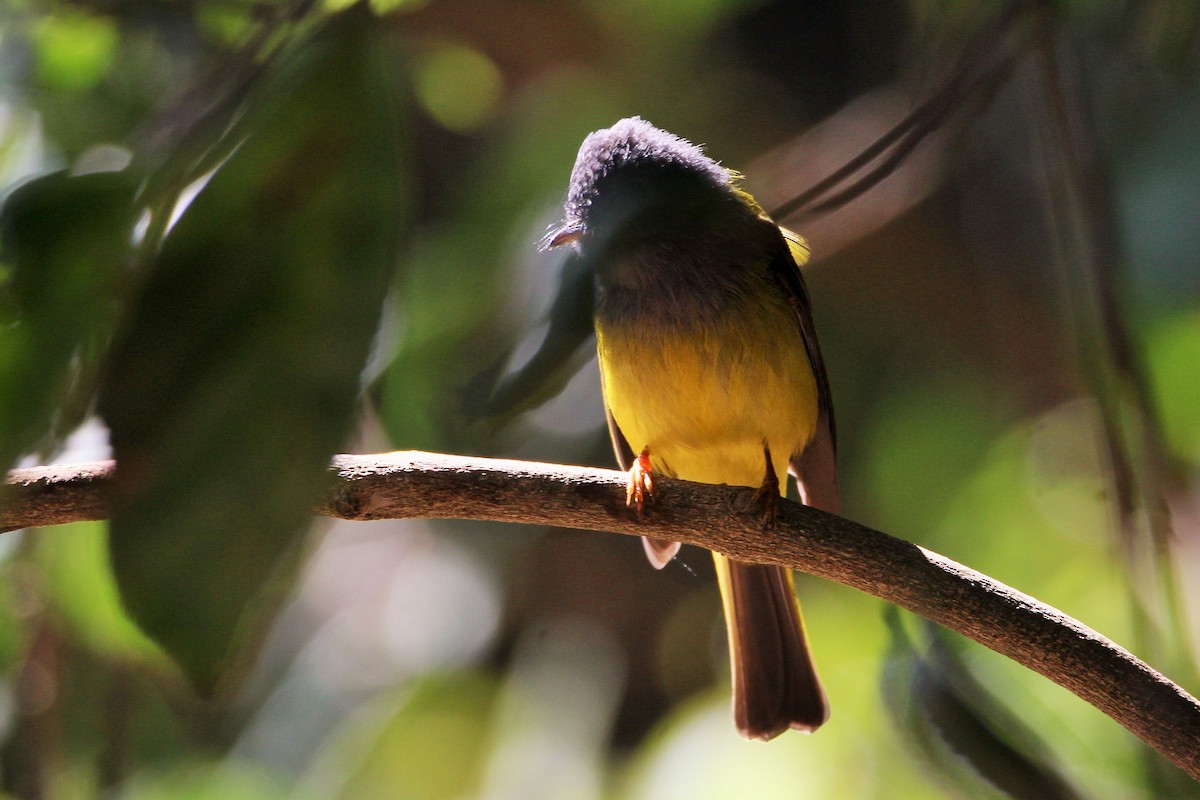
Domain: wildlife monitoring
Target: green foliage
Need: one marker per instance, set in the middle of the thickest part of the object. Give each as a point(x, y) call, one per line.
point(67, 248)
point(235, 375)
point(201, 781)
point(74, 50)
point(428, 741)
point(1171, 351)
point(73, 560)
point(959, 727)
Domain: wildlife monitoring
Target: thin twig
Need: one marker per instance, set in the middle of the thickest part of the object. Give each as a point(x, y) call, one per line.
point(427, 485)
point(962, 85)
point(985, 86)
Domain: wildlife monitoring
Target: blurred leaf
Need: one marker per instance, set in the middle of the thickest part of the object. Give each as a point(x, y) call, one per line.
point(430, 745)
point(954, 722)
point(235, 378)
point(458, 307)
point(1172, 352)
point(449, 334)
point(67, 243)
point(472, 273)
point(225, 781)
point(80, 587)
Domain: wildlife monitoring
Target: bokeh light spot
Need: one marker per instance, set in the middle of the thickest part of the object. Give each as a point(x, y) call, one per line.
point(458, 86)
point(74, 50)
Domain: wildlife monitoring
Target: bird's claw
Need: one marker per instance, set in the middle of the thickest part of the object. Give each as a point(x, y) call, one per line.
point(640, 486)
point(767, 495)
point(767, 498)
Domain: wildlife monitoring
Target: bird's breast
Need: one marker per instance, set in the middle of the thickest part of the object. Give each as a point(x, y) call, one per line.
point(705, 388)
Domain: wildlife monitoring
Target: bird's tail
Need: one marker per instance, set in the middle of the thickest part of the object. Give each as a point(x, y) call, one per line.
point(775, 684)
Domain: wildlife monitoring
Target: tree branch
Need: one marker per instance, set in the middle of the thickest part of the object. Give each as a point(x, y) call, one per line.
point(427, 485)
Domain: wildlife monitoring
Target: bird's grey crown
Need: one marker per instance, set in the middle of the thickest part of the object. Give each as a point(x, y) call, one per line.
point(633, 145)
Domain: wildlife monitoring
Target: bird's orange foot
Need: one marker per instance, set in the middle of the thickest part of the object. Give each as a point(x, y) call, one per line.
point(640, 486)
point(767, 495)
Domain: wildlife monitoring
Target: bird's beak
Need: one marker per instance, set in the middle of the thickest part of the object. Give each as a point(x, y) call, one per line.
point(560, 237)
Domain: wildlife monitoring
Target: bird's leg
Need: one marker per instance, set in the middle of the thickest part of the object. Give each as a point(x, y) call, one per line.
point(640, 484)
point(768, 493)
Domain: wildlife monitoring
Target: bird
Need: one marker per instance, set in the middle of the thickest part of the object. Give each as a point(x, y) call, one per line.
point(711, 372)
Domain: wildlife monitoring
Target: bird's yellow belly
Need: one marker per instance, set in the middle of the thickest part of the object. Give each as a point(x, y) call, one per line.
point(705, 401)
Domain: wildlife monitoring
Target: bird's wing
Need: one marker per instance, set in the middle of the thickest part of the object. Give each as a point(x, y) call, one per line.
point(814, 466)
point(620, 444)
